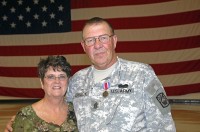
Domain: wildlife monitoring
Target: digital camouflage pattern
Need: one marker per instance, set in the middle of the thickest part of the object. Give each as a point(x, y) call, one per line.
point(136, 100)
point(26, 120)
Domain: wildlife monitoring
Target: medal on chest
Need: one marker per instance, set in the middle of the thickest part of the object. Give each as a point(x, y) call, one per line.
point(106, 86)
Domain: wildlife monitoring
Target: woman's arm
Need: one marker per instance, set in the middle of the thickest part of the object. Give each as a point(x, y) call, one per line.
point(9, 125)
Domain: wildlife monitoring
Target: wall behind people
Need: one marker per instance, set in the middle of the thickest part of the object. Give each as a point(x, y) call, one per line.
point(164, 34)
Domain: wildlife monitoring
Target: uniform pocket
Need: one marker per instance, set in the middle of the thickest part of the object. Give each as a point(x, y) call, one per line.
point(81, 105)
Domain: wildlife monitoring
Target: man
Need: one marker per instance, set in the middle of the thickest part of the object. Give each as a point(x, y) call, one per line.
point(113, 94)
point(116, 95)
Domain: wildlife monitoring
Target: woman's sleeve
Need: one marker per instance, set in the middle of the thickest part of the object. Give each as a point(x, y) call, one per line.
point(22, 123)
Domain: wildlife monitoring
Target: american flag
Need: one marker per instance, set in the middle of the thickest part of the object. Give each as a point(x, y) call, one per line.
point(162, 33)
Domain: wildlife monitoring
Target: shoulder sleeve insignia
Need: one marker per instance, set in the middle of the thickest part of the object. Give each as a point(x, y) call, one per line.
point(162, 99)
point(158, 96)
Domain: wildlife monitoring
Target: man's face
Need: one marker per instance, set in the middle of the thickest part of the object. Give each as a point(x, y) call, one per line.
point(102, 55)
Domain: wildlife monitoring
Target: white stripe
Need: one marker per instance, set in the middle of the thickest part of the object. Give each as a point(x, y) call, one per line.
point(20, 82)
point(187, 96)
point(123, 35)
point(160, 33)
point(167, 80)
point(82, 59)
point(180, 79)
point(13, 98)
point(136, 10)
point(40, 39)
point(32, 61)
point(163, 57)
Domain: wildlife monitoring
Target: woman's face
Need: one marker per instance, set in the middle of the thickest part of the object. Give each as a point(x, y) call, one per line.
point(55, 83)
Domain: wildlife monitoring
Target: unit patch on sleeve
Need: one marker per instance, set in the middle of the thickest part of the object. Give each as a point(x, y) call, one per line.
point(162, 99)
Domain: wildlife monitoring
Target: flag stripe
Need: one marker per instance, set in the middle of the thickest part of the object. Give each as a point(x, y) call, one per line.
point(159, 45)
point(148, 22)
point(21, 92)
point(182, 89)
point(160, 69)
point(38, 93)
point(152, 9)
point(125, 46)
point(180, 79)
point(41, 50)
point(36, 39)
point(102, 3)
point(161, 33)
point(167, 80)
point(178, 67)
point(163, 57)
point(82, 59)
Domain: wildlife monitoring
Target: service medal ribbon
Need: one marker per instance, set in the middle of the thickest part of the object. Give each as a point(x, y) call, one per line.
point(106, 86)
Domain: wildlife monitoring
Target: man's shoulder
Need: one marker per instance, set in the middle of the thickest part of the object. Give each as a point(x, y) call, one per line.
point(135, 64)
point(81, 72)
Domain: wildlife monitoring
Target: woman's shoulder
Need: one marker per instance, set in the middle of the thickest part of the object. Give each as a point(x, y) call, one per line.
point(27, 111)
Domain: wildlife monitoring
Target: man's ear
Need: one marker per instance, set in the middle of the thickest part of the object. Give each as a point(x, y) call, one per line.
point(115, 40)
point(83, 45)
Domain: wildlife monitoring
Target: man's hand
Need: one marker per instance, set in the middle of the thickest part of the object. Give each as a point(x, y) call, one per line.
point(9, 125)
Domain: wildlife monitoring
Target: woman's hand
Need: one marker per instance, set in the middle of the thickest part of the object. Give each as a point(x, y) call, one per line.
point(9, 125)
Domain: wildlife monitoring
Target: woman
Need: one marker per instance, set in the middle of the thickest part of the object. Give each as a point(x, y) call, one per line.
point(51, 113)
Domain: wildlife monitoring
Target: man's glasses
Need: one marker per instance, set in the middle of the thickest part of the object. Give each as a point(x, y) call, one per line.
point(102, 38)
point(52, 77)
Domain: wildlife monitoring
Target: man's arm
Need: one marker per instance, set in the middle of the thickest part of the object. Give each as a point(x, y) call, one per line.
point(158, 110)
point(9, 125)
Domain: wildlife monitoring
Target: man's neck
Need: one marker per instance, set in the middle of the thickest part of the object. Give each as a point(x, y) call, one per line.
point(101, 74)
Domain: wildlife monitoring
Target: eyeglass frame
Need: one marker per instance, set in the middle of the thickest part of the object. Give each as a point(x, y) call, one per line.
point(97, 37)
point(53, 78)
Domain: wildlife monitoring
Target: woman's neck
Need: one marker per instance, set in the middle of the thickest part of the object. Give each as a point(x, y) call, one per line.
point(51, 110)
point(54, 103)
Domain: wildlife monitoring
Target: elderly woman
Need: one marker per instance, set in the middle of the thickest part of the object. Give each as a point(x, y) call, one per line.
point(51, 113)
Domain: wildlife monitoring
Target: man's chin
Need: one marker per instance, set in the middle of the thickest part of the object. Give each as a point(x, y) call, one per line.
point(100, 65)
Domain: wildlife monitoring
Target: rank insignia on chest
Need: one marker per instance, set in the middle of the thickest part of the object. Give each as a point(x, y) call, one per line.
point(95, 105)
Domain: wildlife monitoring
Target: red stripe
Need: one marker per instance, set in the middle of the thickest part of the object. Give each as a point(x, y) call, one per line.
point(122, 47)
point(18, 71)
point(148, 22)
point(183, 89)
point(177, 67)
point(159, 45)
point(27, 71)
point(41, 50)
point(160, 69)
point(22, 92)
point(103, 3)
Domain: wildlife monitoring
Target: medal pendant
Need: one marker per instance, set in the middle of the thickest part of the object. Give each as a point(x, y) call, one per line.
point(105, 94)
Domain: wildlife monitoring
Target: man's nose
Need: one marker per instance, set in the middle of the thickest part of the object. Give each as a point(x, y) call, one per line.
point(97, 43)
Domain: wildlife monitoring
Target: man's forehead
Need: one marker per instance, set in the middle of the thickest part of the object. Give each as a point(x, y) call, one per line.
point(96, 30)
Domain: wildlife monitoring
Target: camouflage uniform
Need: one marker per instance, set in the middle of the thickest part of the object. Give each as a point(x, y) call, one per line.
point(136, 100)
